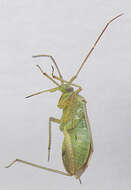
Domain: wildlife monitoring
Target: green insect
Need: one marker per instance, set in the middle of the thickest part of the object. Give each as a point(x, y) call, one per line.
point(77, 146)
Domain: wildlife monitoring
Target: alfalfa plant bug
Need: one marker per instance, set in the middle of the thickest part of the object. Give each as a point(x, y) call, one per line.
point(77, 146)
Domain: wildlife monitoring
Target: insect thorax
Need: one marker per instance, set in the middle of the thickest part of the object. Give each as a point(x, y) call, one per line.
point(73, 112)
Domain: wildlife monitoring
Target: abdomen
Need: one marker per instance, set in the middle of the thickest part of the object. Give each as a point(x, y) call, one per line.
point(75, 149)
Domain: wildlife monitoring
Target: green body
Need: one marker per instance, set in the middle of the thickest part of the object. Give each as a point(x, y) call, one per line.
point(77, 144)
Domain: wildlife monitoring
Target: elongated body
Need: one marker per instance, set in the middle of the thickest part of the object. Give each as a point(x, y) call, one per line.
point(77, 146)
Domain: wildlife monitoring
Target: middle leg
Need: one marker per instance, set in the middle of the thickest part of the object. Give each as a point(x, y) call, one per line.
point(51, 119)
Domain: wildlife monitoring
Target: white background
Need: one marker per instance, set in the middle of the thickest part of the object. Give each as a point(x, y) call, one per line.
point(65, 29)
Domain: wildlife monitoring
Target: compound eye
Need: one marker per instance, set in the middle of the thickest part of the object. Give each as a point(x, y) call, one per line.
point(69, 89)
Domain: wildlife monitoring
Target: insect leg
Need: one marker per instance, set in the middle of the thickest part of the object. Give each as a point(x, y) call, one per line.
point(64, 81)
point(40, 92)
point(51, 119)
point(52, 90)
point(77, 91)
point(53, 62)
point(37, 166)
point(45, 74)
point(80, 181)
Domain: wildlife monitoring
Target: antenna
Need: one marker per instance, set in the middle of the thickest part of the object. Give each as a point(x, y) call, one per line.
point(91, 50)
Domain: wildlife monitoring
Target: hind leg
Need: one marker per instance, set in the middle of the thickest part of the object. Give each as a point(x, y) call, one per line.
point(37, 166)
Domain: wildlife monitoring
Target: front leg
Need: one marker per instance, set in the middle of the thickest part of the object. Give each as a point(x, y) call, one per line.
point(51, 119)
